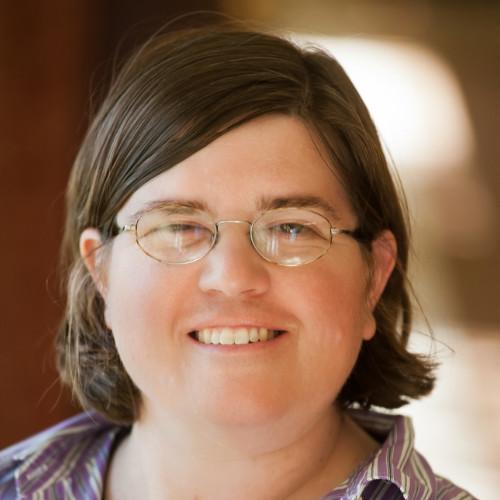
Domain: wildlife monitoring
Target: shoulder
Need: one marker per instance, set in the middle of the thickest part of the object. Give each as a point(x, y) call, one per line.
point(446, 490)
point(52, 459)
point(396, 470)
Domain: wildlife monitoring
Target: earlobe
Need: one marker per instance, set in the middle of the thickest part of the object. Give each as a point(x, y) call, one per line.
point(370, 326)
point(90, 243)
point(384, 255)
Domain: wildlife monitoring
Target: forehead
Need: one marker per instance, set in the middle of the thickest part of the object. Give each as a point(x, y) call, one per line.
point(271, 157)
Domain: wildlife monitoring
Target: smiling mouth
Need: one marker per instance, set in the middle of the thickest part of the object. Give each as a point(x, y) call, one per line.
point(232, 336)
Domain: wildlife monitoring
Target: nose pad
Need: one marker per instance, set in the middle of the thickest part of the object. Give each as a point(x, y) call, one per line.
point(233, 267)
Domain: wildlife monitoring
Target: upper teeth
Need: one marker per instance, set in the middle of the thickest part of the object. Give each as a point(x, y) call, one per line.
point(239, 335)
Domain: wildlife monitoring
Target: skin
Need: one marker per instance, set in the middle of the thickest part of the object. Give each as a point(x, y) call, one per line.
point(243, 423)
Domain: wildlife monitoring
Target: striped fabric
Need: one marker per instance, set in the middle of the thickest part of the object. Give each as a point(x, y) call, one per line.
point(397, 471)
point(69, 462)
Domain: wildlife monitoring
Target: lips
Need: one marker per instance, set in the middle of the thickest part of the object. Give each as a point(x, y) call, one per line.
point(232, 336)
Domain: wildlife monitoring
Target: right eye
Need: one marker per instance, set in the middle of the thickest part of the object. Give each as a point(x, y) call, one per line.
point(176, 234)
point(179, 227)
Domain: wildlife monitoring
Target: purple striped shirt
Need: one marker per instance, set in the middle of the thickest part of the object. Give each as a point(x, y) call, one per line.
point(69, 461)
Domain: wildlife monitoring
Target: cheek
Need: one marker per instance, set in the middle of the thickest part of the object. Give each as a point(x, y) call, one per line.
point(141, 307)
point(141, 293)
point(336, 319)
point(336, 301)
point(133, 300)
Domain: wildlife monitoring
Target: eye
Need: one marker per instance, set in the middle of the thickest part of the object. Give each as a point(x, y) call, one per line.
point(180, 227)
point(186, 231)
point(177, 233)
point(291, 229)
point(295, 231)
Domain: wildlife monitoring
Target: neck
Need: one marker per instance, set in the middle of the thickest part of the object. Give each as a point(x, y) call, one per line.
point(170, 458)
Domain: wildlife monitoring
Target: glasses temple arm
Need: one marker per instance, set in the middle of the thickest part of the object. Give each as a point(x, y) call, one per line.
point(355, 234)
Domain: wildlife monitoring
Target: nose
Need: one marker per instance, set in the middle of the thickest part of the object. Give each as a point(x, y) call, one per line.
point(233, 267)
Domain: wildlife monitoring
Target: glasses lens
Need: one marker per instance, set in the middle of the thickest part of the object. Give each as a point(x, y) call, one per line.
point(291, 237)
point(175, 237)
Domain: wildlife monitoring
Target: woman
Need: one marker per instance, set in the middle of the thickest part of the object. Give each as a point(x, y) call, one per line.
point(237, 294)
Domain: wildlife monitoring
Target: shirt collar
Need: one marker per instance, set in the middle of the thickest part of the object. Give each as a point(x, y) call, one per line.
point(73, 459)
point(396, 462)
point(71, 462)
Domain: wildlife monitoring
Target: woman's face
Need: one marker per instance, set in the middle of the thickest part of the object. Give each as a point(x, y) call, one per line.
point(324, 307)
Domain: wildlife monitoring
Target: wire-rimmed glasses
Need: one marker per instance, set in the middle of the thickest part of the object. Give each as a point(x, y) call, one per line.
point(284, 236)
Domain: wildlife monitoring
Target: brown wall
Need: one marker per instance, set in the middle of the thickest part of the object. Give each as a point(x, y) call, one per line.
point(51, 55)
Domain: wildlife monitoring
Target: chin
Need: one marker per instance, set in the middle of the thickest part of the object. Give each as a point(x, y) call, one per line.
point(250, 408)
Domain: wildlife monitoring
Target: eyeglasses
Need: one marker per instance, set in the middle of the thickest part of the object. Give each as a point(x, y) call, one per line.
point(284, 236)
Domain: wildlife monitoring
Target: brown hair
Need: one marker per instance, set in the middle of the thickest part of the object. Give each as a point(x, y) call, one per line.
point(176, 95)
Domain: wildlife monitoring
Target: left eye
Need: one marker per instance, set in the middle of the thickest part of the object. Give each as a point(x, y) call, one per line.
point(304, 232)
point(294, 231)
point(291, 228)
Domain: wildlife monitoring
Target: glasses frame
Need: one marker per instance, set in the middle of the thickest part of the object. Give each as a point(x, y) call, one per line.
point(334, 231)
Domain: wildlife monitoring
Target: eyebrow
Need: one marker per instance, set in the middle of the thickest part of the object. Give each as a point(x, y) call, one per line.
point(175, 206)
point(300, 201)
point(265, 203)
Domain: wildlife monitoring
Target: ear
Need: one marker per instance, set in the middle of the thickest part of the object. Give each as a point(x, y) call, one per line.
point(91, 253)
point(383, 259)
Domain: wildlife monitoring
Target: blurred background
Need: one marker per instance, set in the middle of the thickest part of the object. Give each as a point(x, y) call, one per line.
point(429, 73)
